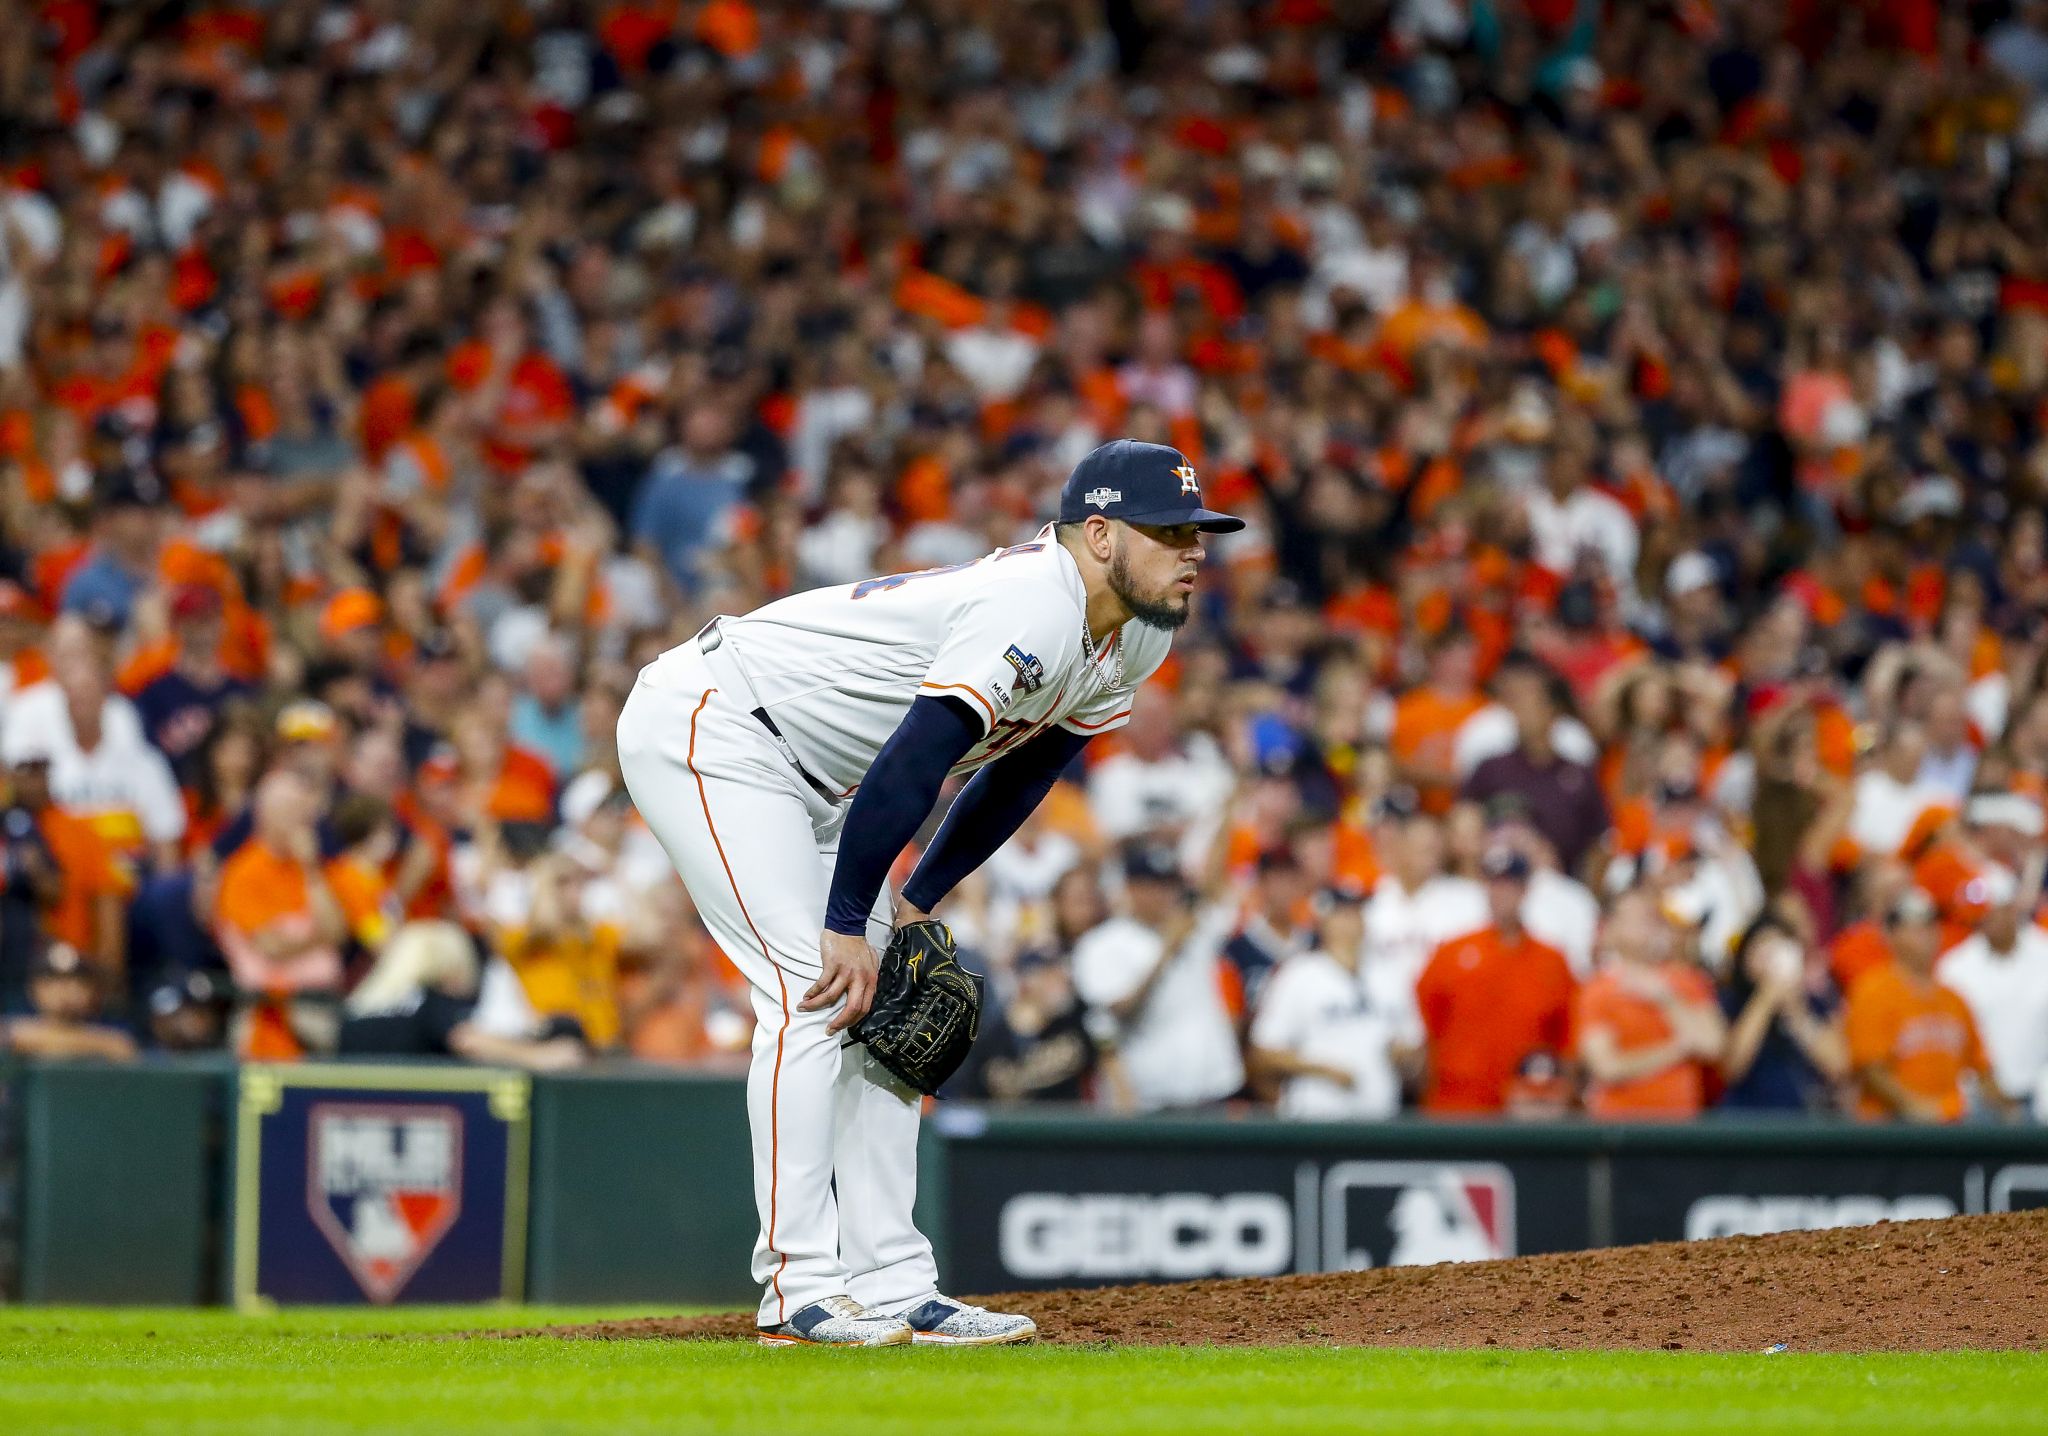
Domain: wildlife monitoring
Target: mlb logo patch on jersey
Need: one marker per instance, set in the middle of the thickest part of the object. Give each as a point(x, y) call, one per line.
point(1030, 672)
point(384, 1184)
point(1103, 498)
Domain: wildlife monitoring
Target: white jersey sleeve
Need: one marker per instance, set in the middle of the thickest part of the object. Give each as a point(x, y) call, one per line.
point(1007, 642)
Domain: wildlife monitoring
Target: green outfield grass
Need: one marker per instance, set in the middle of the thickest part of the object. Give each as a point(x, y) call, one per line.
point(163, 1373)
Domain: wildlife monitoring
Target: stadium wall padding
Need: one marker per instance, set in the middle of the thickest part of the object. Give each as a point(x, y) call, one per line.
point(120, 1182)
point(640, 1187)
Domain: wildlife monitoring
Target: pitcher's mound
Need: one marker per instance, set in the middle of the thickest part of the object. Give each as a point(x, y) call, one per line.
point(1967, 1282)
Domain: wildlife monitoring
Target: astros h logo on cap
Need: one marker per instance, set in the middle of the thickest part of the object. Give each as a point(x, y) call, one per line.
point(1140, 483)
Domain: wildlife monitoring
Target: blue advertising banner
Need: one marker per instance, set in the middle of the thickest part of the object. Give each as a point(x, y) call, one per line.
point(360, 1184)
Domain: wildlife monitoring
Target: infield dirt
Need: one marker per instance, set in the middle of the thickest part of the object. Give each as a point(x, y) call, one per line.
point(1967, 1283)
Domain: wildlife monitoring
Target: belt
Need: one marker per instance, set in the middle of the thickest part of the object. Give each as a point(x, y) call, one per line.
point(725, 667)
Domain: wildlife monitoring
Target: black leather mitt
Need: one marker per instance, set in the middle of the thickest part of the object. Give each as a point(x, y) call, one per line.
point(927, 1007)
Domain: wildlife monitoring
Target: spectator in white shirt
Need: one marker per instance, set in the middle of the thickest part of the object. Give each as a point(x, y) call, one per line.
point(1158, 782)
point(1415, 908)
point(102, 766)
point(2001, 972)
point(995, 356)
point(1152, 983)
point(1568, 517)
point(1891, 795)
point(1332, 1053)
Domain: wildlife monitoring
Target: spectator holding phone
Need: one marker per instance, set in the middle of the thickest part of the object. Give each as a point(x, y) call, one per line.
point(1785, 1050)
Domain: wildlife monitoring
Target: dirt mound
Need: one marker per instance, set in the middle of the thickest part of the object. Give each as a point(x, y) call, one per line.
point(1967, 1282)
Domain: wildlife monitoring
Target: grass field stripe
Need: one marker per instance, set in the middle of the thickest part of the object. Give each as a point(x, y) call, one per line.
point(782, 990)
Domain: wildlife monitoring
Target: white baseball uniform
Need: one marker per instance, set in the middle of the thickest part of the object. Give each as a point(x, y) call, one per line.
point(753, 823)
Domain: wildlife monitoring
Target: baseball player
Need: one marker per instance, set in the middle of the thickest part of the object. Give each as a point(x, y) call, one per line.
point(785, 758)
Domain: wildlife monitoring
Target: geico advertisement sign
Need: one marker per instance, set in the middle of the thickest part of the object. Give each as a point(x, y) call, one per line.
point(1173, 1234)
point(1348, 1216)
point(1734, 1216)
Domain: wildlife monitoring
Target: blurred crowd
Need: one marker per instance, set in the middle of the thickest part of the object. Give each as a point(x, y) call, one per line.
point(1627, 698)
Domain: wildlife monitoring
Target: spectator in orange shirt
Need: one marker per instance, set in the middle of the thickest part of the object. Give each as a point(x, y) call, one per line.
point(76, 880)
point(1649, 1022)
point(1865, 945)
point(1911, 1039)
point(280, 927)
point(1491, 999)
point(1424, 739)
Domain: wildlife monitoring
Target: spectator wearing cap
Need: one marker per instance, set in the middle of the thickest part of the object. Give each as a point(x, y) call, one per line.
point(2001, 972)
point(1319, 1039)
point(1649, 1024)
point(435, 690)
point(1416, 906)
point(1491, 999)
point(1559, 909)
point(1152, 981)
point(121, 564)
point(180, 707)
point(64, 1000)
point(1912, 1040)
point(1563, 797)
point(1038, 1048)
point(1785, 1051)
point(102, 766)
point(1274, 924)
point(1695, 625)
point(280, 926)
point(352, 629)
point(188, 1013)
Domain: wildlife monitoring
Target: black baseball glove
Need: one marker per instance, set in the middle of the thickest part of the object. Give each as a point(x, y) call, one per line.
point(927, 1007)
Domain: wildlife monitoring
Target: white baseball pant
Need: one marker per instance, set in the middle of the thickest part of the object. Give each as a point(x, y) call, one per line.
point(834, 1136)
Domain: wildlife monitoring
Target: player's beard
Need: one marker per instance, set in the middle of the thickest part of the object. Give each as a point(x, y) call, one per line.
point(1158, 612)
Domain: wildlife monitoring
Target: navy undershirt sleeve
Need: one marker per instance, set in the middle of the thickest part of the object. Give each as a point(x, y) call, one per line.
point(895, 798)
point(992, 806)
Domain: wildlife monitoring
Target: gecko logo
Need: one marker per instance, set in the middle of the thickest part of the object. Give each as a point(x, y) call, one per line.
point(1103, 498)
point(1030, 672)
point(1173, 1235)
point(1186, 474)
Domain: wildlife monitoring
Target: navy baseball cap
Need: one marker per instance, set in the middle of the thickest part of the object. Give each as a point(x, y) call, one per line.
point(1140, 484)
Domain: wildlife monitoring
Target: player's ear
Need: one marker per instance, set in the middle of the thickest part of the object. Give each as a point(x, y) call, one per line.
point(1101, 532)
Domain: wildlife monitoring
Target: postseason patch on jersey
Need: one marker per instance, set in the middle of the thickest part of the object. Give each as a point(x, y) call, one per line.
point(1030, 672)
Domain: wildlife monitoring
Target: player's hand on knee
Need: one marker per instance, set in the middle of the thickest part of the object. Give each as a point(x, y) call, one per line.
point(849, 972)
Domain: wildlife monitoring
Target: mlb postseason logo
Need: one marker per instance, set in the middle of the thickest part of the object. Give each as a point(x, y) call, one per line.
point(1030, 672)
point(384, 1183)
point(1103, 498)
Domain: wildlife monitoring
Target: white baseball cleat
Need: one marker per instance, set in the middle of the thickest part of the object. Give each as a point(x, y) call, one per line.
point(837, 1321)
point(943, 1321)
